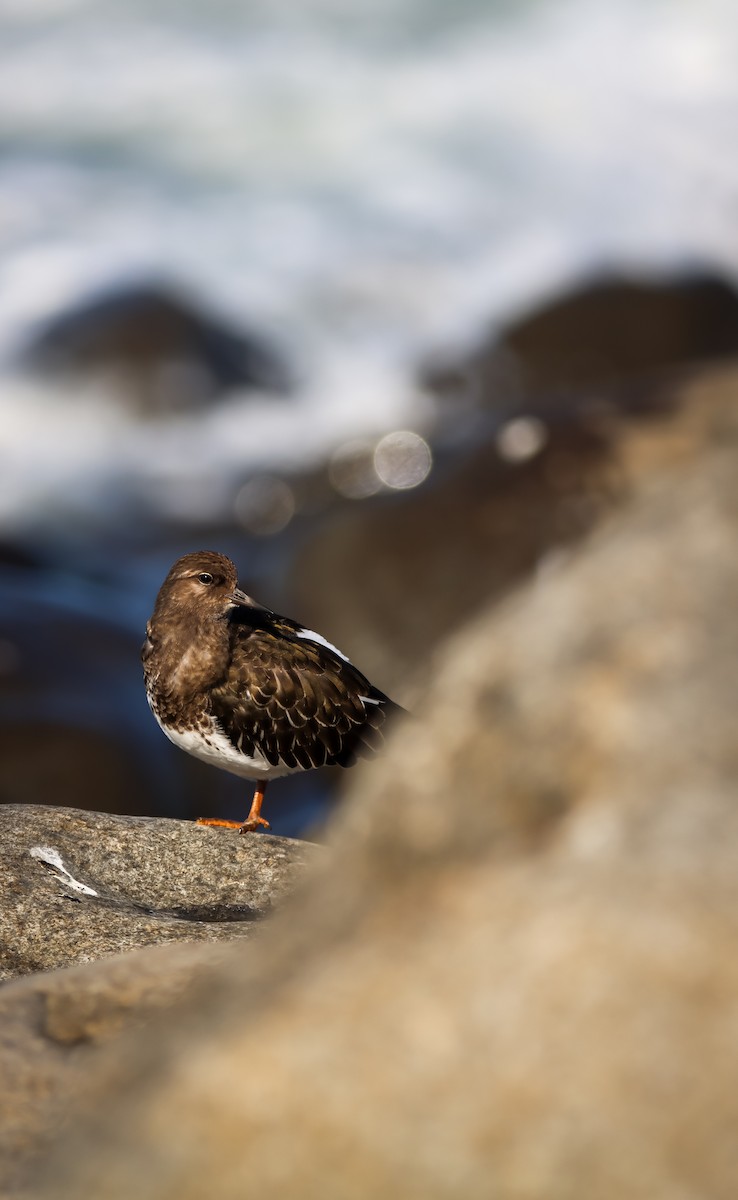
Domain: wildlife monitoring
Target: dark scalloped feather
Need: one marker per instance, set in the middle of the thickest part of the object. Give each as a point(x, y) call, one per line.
point(293, 699)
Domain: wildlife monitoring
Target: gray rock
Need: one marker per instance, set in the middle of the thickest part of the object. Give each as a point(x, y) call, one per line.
point(75, 886)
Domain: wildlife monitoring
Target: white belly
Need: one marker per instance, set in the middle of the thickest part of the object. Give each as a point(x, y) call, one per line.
point(212, 746)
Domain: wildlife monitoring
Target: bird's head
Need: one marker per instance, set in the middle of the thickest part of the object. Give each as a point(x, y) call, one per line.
point(201, 585)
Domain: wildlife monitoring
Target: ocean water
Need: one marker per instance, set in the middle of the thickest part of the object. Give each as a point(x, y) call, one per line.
point(366, 182)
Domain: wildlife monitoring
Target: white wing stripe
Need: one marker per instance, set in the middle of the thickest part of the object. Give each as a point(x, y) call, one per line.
point(309, 635)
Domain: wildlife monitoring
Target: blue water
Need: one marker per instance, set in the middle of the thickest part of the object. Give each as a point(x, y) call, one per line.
point(365, 181)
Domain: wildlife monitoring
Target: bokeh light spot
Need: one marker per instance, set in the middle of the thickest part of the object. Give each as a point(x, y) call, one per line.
point(402, 459)
point(352, 472)
point(265, 505)
point(521, 439)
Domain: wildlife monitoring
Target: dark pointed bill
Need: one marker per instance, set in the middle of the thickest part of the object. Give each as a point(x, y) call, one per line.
point(240, 598)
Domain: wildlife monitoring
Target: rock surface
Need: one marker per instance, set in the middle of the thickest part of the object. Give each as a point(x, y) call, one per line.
point(519, 977)
point(54, 1024)
point(559, 396)
point(407, 571)
point(612, 331)
point(75, 886)
point(170, 353)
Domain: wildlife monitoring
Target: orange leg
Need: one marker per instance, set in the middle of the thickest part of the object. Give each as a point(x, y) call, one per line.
point(253, 820)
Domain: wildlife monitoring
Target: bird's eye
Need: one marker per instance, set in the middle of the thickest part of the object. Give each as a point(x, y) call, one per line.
point(205, 577)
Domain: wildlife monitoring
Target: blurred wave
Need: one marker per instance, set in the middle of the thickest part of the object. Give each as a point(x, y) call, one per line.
point(363, 181)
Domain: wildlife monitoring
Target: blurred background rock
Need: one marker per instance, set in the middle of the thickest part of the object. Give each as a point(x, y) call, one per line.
point(394, 303)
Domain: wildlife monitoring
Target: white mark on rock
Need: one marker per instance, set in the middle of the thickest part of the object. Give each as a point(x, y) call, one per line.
point(52, 858)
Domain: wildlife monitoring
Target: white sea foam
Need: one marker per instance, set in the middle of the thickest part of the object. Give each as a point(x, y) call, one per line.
point(367, 179)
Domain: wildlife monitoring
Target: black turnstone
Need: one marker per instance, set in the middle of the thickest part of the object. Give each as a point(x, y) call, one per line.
point(247, 690)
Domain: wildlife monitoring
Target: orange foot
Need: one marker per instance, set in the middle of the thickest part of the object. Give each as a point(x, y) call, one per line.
point(247, 826)
point(253, 823)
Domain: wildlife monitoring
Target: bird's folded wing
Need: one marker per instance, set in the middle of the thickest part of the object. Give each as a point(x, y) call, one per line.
point(297, 702)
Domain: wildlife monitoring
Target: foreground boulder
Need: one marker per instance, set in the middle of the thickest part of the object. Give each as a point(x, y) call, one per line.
point(76, 886)
point(519, 977)
point(56, 1024)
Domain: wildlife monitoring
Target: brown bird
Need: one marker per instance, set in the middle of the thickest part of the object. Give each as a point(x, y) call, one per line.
point(247, 690)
